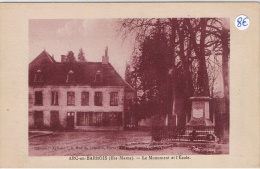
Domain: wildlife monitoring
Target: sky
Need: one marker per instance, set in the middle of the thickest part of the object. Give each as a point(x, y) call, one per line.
point(58, 36)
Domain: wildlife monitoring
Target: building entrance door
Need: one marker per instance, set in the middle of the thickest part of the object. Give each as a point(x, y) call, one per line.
point(70, 120)
point(38, 119)
point(55, 121)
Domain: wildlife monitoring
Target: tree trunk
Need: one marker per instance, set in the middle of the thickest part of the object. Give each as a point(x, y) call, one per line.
point(203, 81)
point(225, 67)
point(172, 76)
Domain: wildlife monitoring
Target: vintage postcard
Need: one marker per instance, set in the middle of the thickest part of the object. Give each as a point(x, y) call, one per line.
point(130, 85)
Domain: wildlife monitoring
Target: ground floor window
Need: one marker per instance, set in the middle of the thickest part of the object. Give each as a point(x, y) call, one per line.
point(99, 118)
point(55, 120)
point(84, 118)
point(38, 119)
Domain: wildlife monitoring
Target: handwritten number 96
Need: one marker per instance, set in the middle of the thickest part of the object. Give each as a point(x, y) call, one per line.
point(242, 21)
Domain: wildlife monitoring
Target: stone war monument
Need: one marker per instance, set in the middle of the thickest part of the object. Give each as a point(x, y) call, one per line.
point(200, 127)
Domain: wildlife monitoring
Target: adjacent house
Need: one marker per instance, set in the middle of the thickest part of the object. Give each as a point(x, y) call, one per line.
point(77, 95)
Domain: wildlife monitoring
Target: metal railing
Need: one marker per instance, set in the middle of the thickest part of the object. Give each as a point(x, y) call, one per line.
point(203, 134)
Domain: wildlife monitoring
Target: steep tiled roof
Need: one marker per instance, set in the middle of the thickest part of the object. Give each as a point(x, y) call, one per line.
point(43, 58)
point(55, 73)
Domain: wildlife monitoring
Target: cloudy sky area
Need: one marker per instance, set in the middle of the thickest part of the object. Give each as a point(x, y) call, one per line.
point(60, 36)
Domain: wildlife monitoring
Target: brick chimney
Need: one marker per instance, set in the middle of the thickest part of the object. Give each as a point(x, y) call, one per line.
point(105, 58)
point(63, 58)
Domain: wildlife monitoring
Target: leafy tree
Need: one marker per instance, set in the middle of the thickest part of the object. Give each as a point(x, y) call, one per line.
point(81, 56)
point(70, 57)
point(153, 71)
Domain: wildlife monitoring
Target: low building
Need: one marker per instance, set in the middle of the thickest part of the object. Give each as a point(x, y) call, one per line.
point(76, 95)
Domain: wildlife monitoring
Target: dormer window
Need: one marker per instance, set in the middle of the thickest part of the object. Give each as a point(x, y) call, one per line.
point(38, 76)
point(99, 77)
point(70, 77)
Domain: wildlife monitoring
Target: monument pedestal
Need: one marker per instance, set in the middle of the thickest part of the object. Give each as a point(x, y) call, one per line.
point(200, 124)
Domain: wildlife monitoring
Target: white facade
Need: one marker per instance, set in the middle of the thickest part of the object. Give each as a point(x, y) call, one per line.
point(64, 109)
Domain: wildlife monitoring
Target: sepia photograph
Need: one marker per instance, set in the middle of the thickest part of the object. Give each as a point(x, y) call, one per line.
point(128, 86)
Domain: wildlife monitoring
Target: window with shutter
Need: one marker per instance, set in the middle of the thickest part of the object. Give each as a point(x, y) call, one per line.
point(38, 98)
point(54, 98)
point(114, 99)
point(85, 98)
point(98, 98)
point(70, 98)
